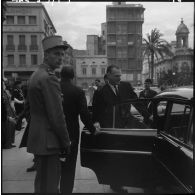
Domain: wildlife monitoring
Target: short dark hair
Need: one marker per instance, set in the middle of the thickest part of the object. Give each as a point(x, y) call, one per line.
point(148, 81)
point(109, 68)
point(67, 72)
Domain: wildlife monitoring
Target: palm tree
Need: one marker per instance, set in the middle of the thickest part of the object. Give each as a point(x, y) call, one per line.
point(155, 47)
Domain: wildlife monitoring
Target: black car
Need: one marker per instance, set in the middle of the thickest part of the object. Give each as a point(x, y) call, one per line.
point(158, 157)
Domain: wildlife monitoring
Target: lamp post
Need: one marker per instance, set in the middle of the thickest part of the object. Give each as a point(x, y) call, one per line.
point(173, 79)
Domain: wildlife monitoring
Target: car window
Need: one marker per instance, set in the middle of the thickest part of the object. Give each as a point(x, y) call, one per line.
point(161, 107)
point(129, 115)
point(177, 122)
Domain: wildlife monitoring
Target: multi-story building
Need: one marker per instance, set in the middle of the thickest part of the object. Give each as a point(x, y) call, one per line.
point(183, 55)
point(124, 39)
point(89, 68)
point(25, 26)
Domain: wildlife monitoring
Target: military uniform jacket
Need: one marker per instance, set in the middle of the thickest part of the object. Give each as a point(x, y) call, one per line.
point(47, 131)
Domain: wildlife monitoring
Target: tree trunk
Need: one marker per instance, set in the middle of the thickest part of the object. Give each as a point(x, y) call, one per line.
point(152, 65)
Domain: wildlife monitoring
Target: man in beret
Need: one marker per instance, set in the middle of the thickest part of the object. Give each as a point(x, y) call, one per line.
point(48, 136)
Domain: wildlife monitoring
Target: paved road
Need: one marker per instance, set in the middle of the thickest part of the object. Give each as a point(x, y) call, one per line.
point(15, 179)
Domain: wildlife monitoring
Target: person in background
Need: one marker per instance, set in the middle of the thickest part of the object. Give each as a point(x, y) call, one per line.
point(48, 137)
point(10, 120)
point(74, 105)
point(18, 99)
point(147, 93)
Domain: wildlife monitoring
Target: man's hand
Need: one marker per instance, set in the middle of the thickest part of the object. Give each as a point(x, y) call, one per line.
point(12, 119)
point(97, 128)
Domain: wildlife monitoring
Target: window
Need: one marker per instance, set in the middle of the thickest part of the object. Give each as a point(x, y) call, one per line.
point(22, 60)
point(93, 71)
point(21, 39)
point(84, 71)
point(130, 77)
point(10, 39)
point(34, 60)
point(21, 19)
point(161, 107)
point(33, 39)
point(10, 60)
point(10, 19)
point(32, 19)
point(177, 122)
point(103, 71)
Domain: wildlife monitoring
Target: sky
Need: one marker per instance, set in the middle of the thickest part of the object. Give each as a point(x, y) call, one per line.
point(75, 20)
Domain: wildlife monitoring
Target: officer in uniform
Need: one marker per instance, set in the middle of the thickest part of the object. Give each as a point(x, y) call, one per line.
point(48, 136)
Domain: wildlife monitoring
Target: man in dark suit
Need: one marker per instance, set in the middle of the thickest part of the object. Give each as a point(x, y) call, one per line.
point(74, 104)
point(112, 93)
point(48, 135)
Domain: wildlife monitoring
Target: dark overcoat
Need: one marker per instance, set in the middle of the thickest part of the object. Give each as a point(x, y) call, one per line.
point(75, 104)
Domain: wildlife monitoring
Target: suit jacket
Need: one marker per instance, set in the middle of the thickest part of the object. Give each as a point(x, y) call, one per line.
point(75, 104)
point(105, 98)
point(47, 132)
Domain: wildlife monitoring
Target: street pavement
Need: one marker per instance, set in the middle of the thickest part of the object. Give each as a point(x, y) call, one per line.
point(15, 179)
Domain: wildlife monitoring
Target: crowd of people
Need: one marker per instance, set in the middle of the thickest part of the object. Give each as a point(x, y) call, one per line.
point(52, 108)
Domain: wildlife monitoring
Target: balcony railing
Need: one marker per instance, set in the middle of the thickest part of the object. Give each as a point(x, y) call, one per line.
point(10, 47)
point(34, 47)
point(22, 48)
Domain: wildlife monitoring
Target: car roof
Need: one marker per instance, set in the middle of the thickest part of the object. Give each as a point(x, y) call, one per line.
point(178, 92)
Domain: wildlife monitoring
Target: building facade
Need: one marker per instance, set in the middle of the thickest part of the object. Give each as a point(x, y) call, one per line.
point(89, 68)
point(25, 26)
point(124, 39)
point(182, 59)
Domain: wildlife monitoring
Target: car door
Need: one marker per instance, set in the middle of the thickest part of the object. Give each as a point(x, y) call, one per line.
point(173, 147)
point(122, 156)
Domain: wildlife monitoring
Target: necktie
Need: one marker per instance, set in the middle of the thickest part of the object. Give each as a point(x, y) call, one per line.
point(116, 90)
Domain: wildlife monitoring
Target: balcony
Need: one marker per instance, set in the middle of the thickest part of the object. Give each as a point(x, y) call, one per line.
point(34, 47)
point(22, 48)
point(10, 47)
point(111, 43)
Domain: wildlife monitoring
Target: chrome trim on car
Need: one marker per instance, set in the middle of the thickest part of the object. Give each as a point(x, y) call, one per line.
point(187, 152)
point(135, 132)
point(116, 151)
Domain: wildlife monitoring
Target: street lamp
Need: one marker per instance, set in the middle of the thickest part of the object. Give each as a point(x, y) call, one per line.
point(173, 79)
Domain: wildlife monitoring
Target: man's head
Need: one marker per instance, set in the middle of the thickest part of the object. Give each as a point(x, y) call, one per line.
point(148, 83)
point(67, 73)
point(54, 49)
point(97, 82)
point(113, 74)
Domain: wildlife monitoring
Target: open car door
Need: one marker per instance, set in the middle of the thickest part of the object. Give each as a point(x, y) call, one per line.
point(121, 155)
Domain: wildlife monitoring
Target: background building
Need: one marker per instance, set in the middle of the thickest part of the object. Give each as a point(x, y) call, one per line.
point(89, 68)
point(25, 26)
point(181, 65)
point(124, 39)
